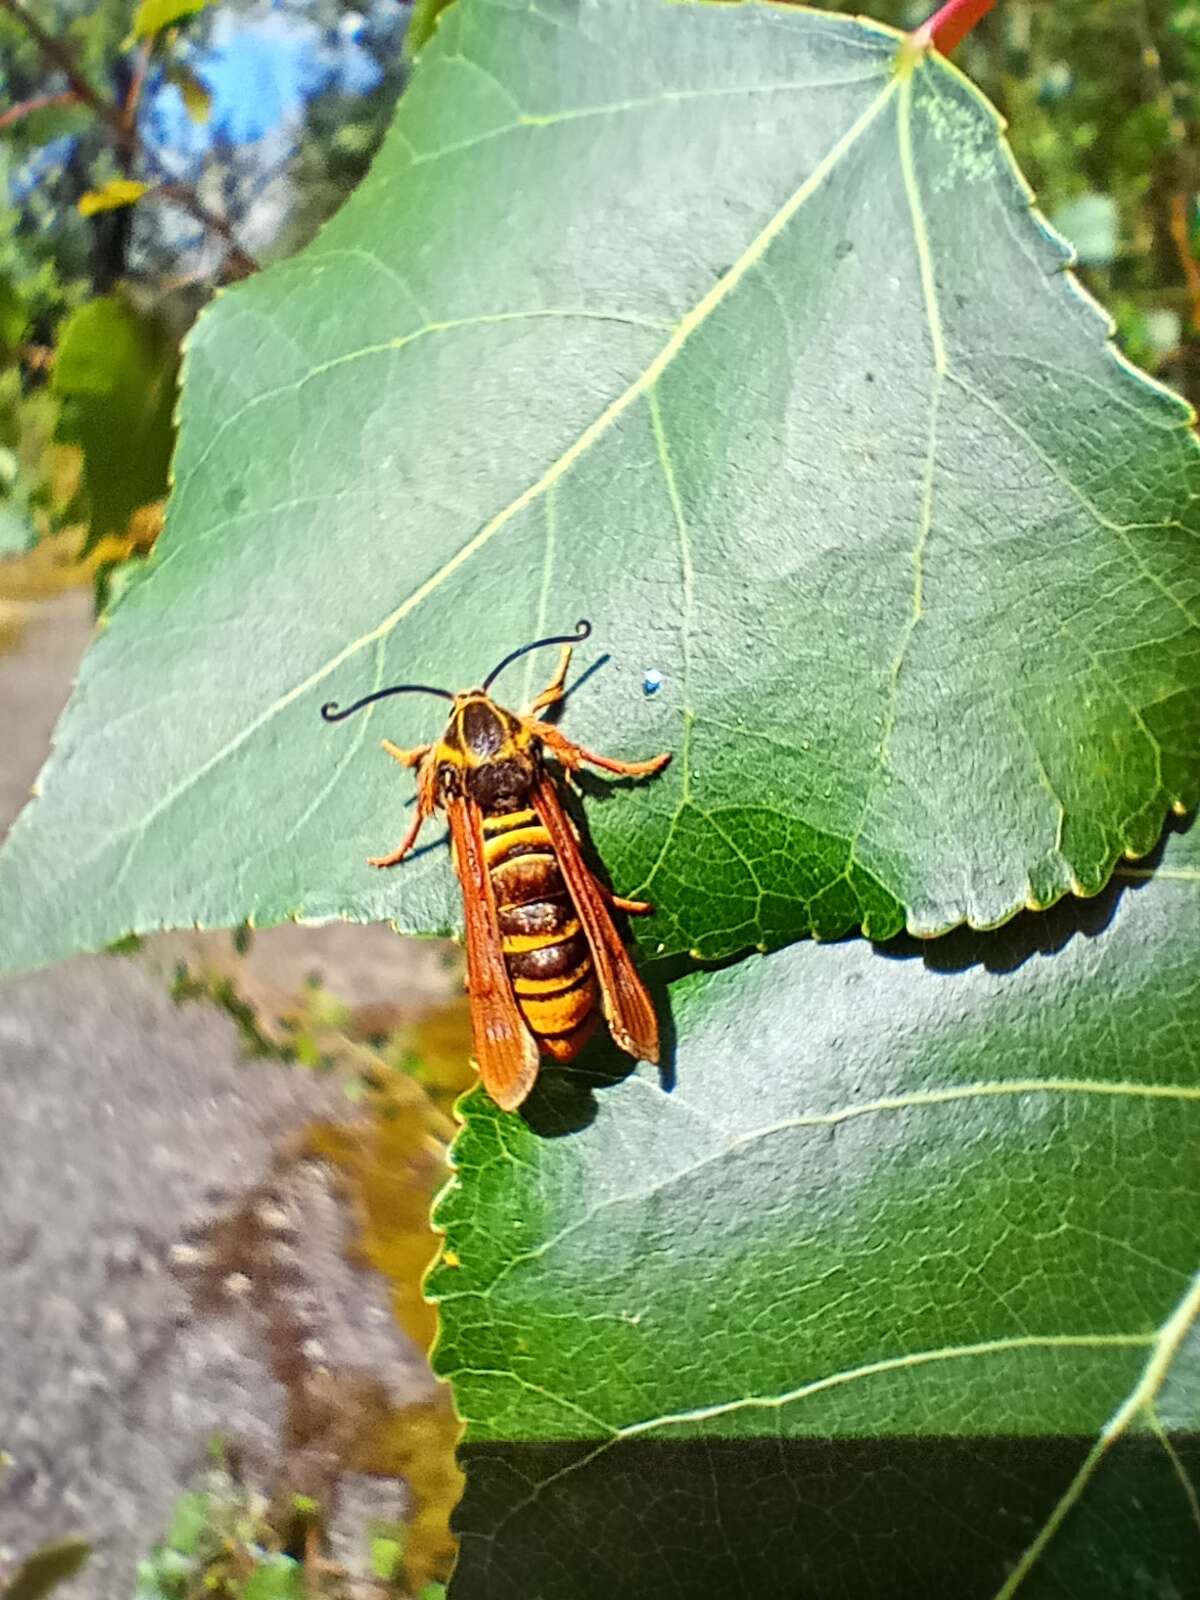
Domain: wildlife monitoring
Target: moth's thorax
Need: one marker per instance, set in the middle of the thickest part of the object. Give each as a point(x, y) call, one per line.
point(488, 754)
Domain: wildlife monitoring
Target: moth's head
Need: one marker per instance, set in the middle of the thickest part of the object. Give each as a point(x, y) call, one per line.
point(481, 729)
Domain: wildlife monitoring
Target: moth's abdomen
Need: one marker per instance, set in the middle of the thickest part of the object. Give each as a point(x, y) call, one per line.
point(545, 951)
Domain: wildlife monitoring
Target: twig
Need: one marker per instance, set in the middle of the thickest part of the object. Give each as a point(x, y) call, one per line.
point(122, 123)
point(53, 50)
point(1175, 181)
point(1181, 235)
point(137, 82)
point(37, 102)
point(949, 25)
point(182, 194)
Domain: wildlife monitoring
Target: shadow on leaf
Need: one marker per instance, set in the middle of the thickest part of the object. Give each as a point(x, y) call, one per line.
point(1032, 933)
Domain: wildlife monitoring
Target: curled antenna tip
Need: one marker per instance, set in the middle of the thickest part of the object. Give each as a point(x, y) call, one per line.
point(331, 711)
point(583, 629)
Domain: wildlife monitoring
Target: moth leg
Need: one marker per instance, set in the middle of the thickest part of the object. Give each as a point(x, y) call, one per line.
point(631, 908)
point(553, 692)
point(574, 755)
point(426, 798)
point(405, 845)
point(406, 758)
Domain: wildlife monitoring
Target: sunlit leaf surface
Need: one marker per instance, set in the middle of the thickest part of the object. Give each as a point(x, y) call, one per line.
point(895, 1292)
point(708, 323)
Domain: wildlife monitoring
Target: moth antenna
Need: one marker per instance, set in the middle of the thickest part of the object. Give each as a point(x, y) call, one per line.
point(330, 712)
point(583, 629)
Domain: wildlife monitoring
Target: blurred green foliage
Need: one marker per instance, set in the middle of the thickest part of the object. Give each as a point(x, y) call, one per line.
point(116, 374)
point(217, 1545)
point(423, 24)
point(220, 1545)
point(95, 298)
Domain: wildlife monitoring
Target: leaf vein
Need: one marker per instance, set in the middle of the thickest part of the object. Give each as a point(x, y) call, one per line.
point(400, 342)
point(687, 578)
point(1181, 1472)
point(920, 1358)
point(667, 97)
point(1139, 1400)
point(918, 1099)
point(925, 514)
point(1122, 530)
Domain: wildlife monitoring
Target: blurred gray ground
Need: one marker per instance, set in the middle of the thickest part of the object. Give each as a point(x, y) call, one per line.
point(126, 1123)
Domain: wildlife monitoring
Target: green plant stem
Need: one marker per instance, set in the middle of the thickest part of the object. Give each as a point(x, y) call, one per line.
point(122, 126)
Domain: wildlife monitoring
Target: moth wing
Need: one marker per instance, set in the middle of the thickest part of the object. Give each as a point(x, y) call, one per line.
point(627, 1007)
point(506, 1053)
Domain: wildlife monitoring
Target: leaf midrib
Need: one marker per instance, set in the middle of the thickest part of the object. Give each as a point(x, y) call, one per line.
point(1163, 1344)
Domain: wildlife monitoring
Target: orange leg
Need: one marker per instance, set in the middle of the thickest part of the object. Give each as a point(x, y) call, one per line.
point(553, 692)
point(574, 755)
point(632, 908)
point(426, 797)
point(406, 758)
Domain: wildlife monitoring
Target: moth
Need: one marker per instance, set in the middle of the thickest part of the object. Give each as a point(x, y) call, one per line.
point(544, 958)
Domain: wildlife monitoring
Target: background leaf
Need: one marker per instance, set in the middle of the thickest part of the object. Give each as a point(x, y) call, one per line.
point(17, 531)
point(46, 1569)
point(899, 1281)
point(914, 553)
point(197, 96)
point(392, 1169)
point(111, 196)
point(152, 16)
point(14, 319)
point(116, 371)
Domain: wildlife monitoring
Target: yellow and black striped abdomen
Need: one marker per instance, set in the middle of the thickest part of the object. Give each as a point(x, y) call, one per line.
point(545, 951)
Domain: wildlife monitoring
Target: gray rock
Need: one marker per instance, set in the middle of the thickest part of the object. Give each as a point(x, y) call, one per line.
point(131, 1132)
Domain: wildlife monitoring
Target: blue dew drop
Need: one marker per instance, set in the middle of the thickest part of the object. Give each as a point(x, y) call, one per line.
point(652, 682)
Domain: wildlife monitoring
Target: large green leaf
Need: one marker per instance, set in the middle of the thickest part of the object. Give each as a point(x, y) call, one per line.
point(893, 1294)
point(710, 324)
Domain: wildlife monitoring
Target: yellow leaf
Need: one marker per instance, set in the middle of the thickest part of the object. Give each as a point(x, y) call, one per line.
point(418, 1443)
point(197, 99)
point(152, 16)
point(393, 1165)
point(111, 196)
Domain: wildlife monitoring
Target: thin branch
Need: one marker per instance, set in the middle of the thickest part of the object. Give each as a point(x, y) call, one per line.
point(137, 83)
point(1181, 237)
point(949, 25)
point(121, 121)
point(182, 194)
point(1176, 181)
point(37, 102)
point(54, 51)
